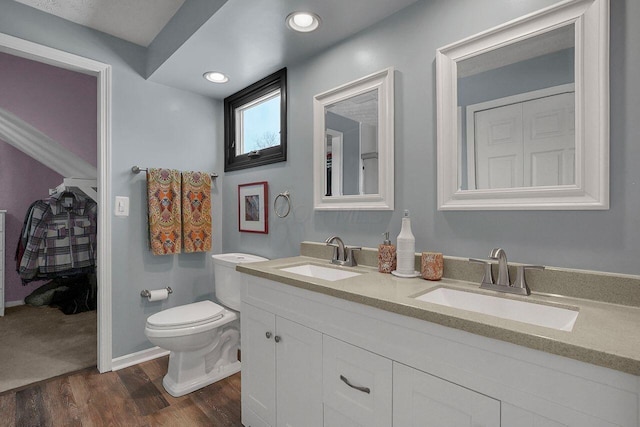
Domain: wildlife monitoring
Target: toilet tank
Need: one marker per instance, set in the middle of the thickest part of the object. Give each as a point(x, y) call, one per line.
point(227, 280)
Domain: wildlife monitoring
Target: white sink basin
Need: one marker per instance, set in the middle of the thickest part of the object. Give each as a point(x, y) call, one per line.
point(319, 272)
point(548, 316)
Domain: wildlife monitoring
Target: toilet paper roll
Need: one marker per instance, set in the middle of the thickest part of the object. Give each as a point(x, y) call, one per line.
point(158, 295)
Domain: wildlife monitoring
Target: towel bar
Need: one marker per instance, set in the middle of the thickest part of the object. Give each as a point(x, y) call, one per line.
point(137, 169)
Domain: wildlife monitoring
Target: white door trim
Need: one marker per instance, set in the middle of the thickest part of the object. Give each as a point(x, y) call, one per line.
point(58, 58)
point(336, 161)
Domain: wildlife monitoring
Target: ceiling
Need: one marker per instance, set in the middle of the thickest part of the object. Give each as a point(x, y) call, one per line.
point(245, 39)
point(137, 21)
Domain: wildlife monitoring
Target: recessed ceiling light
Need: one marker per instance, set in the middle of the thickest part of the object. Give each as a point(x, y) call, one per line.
point(303, 21)
point(216, 77)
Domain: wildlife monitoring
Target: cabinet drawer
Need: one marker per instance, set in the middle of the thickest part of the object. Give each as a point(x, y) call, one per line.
point(357, 385)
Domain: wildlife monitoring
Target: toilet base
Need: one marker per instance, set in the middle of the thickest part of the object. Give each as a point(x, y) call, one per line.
point(176, 389)
point(190, 370)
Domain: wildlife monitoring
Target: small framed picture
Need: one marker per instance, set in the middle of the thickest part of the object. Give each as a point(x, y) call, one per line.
point(252, 207)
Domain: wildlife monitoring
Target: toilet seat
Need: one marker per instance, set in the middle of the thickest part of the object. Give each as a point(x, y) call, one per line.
point(188, 315)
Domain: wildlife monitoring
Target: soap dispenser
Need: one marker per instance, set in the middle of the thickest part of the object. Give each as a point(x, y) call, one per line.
point(386, 255)
point(406, 251)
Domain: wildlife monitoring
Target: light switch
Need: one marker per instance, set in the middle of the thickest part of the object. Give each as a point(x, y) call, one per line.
point(122, 206)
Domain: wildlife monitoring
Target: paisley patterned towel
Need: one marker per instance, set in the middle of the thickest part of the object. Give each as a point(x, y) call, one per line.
point(165, 226)
point(196, 211)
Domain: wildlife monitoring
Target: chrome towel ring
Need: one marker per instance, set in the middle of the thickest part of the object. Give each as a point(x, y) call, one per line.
point(287, 197)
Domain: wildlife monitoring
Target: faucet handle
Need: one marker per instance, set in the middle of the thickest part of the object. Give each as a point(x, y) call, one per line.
point(336, 251)
point(349, 258)
point(488, 274)
point(521, 281)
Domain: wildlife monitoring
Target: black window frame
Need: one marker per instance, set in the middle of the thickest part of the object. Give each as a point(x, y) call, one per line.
point(232, 161)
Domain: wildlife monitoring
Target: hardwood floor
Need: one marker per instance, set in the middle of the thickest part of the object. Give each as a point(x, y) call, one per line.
point(130, 397)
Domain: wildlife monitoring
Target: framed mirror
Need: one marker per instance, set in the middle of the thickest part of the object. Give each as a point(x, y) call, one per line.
point(353, 140)
point(523, 113)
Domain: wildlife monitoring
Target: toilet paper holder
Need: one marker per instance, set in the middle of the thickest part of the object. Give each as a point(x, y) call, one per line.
point(146, 294)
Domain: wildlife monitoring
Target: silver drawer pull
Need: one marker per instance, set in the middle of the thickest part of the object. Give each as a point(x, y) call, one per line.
point(359, 388)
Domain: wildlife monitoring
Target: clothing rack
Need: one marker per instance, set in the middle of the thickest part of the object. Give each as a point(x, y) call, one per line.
point(137, 169)
point(89, 187)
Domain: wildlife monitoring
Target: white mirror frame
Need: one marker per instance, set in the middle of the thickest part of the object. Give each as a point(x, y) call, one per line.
point(591, 189)
point(383, 82)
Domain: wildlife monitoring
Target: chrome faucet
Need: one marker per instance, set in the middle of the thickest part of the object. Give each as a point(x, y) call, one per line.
point(503, 284)
point(338, 253)
point(503, 268)
point(342, 255)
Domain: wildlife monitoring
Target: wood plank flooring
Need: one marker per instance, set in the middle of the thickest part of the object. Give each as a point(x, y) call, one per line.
point(131, 397)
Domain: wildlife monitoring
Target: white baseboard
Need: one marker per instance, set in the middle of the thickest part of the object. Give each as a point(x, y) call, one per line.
point(137, 357)
point(13, 303)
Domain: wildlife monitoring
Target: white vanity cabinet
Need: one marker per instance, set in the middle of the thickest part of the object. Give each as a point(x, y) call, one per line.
point(2, 255)
point(417, 373)
point(281, 371)
point(418, 396)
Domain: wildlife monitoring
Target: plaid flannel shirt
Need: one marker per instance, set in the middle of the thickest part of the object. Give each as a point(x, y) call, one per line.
point(62, 237)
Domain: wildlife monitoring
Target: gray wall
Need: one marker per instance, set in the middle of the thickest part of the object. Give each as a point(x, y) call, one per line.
point(152, 126)
point(599, 240)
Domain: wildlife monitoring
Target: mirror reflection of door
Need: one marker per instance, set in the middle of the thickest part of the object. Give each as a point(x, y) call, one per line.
point(523, 144)
point(351, 148)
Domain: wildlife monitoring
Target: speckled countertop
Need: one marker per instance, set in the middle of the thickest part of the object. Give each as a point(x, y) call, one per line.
point(605, 334)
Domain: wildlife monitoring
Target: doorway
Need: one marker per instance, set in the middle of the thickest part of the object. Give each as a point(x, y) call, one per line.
point(102, 72)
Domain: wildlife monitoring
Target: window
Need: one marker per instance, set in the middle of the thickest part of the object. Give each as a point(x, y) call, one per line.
point(255, 124)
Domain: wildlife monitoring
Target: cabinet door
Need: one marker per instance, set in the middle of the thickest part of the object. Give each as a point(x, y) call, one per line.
point(357, 386)
point(258, 367)
point(420, 399)
point(554, 416)
point(298, 375)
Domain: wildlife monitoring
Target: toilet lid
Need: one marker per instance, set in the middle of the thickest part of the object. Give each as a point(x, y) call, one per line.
point(186, 315)
point(233, 259)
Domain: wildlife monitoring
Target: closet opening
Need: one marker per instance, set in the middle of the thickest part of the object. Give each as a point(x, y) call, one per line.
point(67, 270)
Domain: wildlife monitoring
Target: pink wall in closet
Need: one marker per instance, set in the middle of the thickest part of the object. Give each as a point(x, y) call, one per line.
point(61, 104)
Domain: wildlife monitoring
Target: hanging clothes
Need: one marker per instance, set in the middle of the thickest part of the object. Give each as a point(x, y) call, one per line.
point(24, 236)
point(61, 237)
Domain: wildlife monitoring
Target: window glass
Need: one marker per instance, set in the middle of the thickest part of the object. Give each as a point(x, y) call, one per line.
point(259, 124)
point(255, 124)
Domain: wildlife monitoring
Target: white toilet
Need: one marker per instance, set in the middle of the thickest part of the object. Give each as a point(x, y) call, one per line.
point(203, 337)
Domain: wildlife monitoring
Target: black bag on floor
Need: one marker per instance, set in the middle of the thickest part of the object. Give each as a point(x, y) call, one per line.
point(80, 295)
